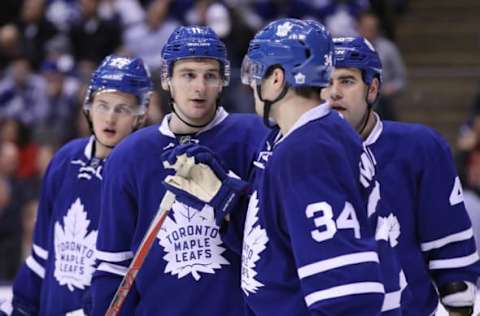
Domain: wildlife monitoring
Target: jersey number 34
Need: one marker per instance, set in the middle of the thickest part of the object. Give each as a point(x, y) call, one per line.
point(327, 227)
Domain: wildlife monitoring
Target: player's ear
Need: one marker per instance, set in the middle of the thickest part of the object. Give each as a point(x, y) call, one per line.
point(373, 90)
point(278, 78)
point(165, 84)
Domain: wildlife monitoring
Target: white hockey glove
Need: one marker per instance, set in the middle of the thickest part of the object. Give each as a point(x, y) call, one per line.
point(458, 297)
point(201, 179)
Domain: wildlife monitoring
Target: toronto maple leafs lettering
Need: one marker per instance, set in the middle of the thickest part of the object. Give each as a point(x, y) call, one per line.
point(74, 249)
point(191, 242)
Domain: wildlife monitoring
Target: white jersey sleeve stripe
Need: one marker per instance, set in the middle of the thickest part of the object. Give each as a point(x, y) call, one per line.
point(7, 307)
point(392, 300)
point(39, 251)
point(35, 267)
point(453, 262)
point(435, 244)
point(344, 290)
point(114, 256)
point(337, 262)
point(112, 268)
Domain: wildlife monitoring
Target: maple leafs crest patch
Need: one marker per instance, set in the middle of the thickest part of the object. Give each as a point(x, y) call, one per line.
point(74, 249)
point(191, 242)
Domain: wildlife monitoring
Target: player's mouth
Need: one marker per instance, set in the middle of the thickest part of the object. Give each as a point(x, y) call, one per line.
point(198, 102)
point(338, 107)
point(109, 132)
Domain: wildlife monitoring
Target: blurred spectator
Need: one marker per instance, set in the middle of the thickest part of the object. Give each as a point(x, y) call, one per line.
point(10, 234)
point(468, 165)
point(10, 45)
point(14, 132)
point(92, 36)
point(23, 94)
point(156, 109)
point(130, 12)
point(230, 25)
point(394, 72)
point(36, 30)
point(58, 124)
point(146, 40)
point(9, 11)
point(29, 212)
point(63, 13)
point(339, 16)
point(468, 150)
point(385, 13)
point(9, 159)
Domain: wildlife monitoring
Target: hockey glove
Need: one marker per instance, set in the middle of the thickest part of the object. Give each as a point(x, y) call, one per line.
point(458, 297)
point(201, 179)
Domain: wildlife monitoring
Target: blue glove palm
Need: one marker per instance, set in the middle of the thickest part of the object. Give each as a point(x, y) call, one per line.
point(200, 178)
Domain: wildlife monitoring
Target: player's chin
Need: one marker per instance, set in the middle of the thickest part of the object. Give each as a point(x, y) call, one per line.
point(110, 140)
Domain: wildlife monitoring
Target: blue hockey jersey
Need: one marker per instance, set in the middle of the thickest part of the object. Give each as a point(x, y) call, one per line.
point(189, 270)
point(54, 278)
point(418, 177)
point(308, 247)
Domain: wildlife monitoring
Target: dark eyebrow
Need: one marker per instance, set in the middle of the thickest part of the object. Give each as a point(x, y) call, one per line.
point(193, 70)
point(343, 77)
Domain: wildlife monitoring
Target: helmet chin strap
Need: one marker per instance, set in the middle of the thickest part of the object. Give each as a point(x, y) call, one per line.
point(178, 112)
point(267, 104)
point(171, 103)
point(366, 116)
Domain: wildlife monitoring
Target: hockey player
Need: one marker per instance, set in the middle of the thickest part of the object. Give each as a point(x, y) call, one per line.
point(58, 273)
point(418, 179)
point(188, 271)
point(307, 245)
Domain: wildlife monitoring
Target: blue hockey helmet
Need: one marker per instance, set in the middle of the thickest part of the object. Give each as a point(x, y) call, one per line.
point(128, 75)
point(304, 49)
point(194, 42)
point(359, 53)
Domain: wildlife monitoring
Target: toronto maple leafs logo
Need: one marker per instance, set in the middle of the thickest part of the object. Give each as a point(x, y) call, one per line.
point(74, 249)
point(300, 78)
point(388, 229)
point(283, 29)
point(191, 242)
point(254, 242)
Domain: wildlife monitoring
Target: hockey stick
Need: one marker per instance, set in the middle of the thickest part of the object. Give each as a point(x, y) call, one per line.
point(140, 255)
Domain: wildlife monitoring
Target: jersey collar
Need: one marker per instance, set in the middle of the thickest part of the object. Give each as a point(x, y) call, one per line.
point(88, 150)
point(376, 131)
point(315, 113)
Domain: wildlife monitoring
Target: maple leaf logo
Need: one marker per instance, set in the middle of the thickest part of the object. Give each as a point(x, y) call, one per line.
point(254, 242)
point(283, 29)
point(191, 242)
point(388, 229)
point(300, 78)
point(74, 249)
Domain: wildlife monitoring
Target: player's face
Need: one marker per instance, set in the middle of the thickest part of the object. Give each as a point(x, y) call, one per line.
point(113, 114)
point(347, 95)
point(195, 86)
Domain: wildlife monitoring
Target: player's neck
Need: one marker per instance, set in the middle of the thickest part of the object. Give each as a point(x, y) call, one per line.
point(371, 121)
point(179, 127)
point(101, 151)
point(287, 113)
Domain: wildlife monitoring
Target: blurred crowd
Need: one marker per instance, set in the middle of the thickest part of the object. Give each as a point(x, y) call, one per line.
point(48, 49)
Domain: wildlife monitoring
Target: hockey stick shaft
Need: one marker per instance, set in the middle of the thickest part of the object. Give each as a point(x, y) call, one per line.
point(140, 255)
